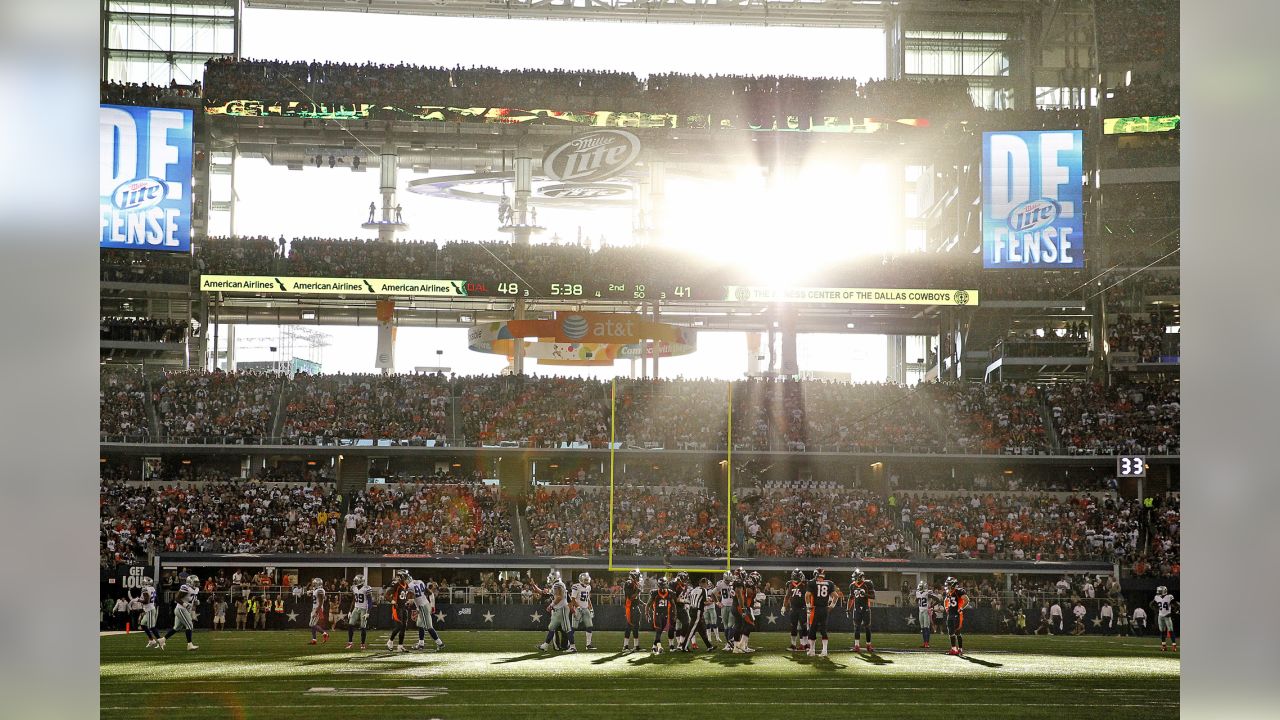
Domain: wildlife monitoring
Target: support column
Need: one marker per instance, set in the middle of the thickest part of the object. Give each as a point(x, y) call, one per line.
point(388, 219)
point(524, 186)
point(657, 200)
point(790, 363)
point(895, 370)
point(517, 361)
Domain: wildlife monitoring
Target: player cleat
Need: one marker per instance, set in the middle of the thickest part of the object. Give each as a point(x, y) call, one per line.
point(654, 650)
point(791, 647)
point(822, 654)
point(420, 646)
point(1162, 647)
point(589, 647)
point(748, 649)
point(348, 646)
point(312, 641)
point(160, 642)
point(870, 648)
point(192, 646)
point(952, 651)
point(959, 651)
point(362, 646)
point(856, 648)
point(391, 646)
point(810, 652)
point(542, 647)
point(151, 643)
point(925, 645)
point(728, 646)
point(400, 648)
point(572, 649)
point(324, 637)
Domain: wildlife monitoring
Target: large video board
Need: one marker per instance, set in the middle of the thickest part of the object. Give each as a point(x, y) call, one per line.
point(144, 178)
point(1032, 210)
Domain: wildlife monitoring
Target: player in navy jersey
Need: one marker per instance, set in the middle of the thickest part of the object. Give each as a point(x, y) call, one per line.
point(662, 606)
point(793, 607)
point(861, 592)
point(820, 596)
point(954, 601)
point(633, 611)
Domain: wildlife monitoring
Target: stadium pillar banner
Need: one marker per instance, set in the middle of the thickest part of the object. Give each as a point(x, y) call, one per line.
point(851, 296)
point(332, 286)
point(1143, 124)
point(1032, 209)
point(386, 358)
point(144, 178)
point(584, 338)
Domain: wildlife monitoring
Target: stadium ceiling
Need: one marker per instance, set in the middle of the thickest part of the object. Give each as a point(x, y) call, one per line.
point(796, 13)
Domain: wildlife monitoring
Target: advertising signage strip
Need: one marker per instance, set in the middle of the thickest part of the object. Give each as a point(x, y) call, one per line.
point(852, 296)
point(591, 118)
point(144, 178)
point(1143, 124)
point(1032, 191)
point(331, 286)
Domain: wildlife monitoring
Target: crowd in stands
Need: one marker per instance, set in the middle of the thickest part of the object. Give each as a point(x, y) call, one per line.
point(122, 405)
point(1139, 418)
point(406, 86)
point(432, 409)
point(1023, 527)
point(435, 519)
point(1143, 335)
point(1136, 31)
point(138, 266)
point(131, 93)
point(1162, 558)
point(131, 329)
point(323, 408)
point(232, 407)
point(139, 520)
point(816, 520)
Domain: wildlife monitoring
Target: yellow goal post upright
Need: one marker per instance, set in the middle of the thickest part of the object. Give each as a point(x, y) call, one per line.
point(613, 429)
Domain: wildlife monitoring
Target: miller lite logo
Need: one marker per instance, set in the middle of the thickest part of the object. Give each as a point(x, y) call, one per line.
point(583, 192)
point(593, 156)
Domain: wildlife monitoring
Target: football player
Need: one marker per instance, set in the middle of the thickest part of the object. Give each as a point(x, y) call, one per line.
point(1165, 607)
point(359, 617)
point(147, 621)
point(583, 611)
point(793, 608)
point(680, 590)
point(699, 600)
point(818, 599)
point(559, 610)
point(861, 592)
point(744, 594)
point(399, 596)
point(926, 598)
point(184, 611)
point(424, 598)
point(663, 606)
point(711, 613)
point(724, 590)
point(634, 610)
point(954, 602)
point(317, 621)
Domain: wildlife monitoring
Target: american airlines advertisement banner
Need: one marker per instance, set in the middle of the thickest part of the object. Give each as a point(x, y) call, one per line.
point(1032, 210)
point(144, 173)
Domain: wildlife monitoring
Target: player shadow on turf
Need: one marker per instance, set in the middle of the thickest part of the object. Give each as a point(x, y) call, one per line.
point(725, 658)
point(825, 664)
point(528, 656)
point(872, 658)
point(611, 658)
point(983, 663)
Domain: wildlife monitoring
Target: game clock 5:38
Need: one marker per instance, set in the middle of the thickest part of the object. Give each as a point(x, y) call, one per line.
point(1131, 466)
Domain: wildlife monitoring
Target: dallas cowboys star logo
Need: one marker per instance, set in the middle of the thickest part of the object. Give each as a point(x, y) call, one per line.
point(536, 616)
point(195, 616)
point(439, 616)
point(911, 620)
point(1097, 622)
point(773, 619)
point(293, 617)
point(488, 617)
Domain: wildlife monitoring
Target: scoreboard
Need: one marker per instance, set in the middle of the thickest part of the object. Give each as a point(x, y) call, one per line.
point(571, 288)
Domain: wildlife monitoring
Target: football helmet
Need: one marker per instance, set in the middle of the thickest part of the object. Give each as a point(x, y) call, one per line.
point(357, 580)
point(921, 586)
point(951, 583)
point(431, 586)
point(819, 573)
point(634, 576)
point(755, 577)
point(728, 576)
point(584, 578)
point(683, 577)
point(662, 583)
point(1162, 590)
point(858, 575)
point(403, 576)
point(193, 580)
point(317, 583)
point(553, 577)
point(147, 582)
point(797, 575)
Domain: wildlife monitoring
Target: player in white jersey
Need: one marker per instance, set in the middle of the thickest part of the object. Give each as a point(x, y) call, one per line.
point(147, 620)
point(583, 611)
point(724, 591)
point(184, 612)
point(424, 599)
point(926, 598)
point(361, 601)
point(1165, 606)
point(559, 609)
point(318, 621)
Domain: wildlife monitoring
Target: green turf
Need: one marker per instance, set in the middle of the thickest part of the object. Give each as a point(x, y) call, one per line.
point(501, 674)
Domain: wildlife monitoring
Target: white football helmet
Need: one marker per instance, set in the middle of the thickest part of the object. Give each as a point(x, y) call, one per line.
point(357, 580)
point(317, 583)
point(147, 582)
point(553, 577)
point(193, 580)
point(920, 586)
point(1162, 590)
point(584, 578)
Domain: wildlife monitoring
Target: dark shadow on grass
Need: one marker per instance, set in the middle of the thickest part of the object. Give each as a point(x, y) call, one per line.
point(817, 662)
point(725, 658)
point(983, 663)
point(611, 658)
point(873, 659)
point(530, 656)
point(665, 658)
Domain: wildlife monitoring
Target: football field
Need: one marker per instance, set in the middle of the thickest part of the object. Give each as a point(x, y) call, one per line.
point(501, 674)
